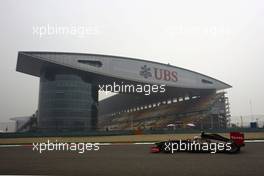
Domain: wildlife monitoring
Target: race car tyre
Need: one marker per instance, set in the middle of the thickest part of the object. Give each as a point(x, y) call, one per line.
point(234, 149)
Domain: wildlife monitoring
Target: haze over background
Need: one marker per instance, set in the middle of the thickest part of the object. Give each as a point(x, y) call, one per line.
point(223, 39)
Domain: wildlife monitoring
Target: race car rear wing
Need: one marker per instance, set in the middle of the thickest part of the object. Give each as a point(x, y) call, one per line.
point(238, 138)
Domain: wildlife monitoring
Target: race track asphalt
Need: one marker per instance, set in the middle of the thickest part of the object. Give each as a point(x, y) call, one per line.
point(131, 160)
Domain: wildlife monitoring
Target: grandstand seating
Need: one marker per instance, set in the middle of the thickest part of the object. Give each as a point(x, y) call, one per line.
point(187, 111)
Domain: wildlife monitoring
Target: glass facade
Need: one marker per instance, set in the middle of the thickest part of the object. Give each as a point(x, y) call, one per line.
point(68, 101)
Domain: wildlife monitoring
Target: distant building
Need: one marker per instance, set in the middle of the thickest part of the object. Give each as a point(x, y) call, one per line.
point(69, 85)
point(20, 121)
point(7, 127)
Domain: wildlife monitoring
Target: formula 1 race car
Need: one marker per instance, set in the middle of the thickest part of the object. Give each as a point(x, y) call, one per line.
point(212, 143)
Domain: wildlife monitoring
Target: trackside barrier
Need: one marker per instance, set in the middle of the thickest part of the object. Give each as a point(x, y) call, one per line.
point(120, 133)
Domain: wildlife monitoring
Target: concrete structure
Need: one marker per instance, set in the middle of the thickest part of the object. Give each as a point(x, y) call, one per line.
point(69, 83)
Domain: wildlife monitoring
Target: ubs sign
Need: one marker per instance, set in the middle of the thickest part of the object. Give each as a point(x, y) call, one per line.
point(158, 74)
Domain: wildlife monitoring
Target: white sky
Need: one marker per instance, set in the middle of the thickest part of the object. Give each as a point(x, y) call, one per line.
point(223, 39)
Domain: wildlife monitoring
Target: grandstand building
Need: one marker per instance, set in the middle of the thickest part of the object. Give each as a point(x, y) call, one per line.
point(69, 85)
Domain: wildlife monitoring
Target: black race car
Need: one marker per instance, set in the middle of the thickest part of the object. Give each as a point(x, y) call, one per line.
point(212, 143)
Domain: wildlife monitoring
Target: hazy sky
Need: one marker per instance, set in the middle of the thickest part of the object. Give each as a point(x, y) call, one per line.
point(222, 39)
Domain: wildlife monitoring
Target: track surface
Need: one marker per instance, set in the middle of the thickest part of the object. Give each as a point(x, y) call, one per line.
point(131, 160)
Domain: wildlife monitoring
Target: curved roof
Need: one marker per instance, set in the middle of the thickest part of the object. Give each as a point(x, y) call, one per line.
point(108, 67)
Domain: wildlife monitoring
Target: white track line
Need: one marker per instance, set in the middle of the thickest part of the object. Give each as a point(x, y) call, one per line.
point(136, 143)
point(105, 144)
point(2, 146)
point(254, 141)
point(144, 143)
